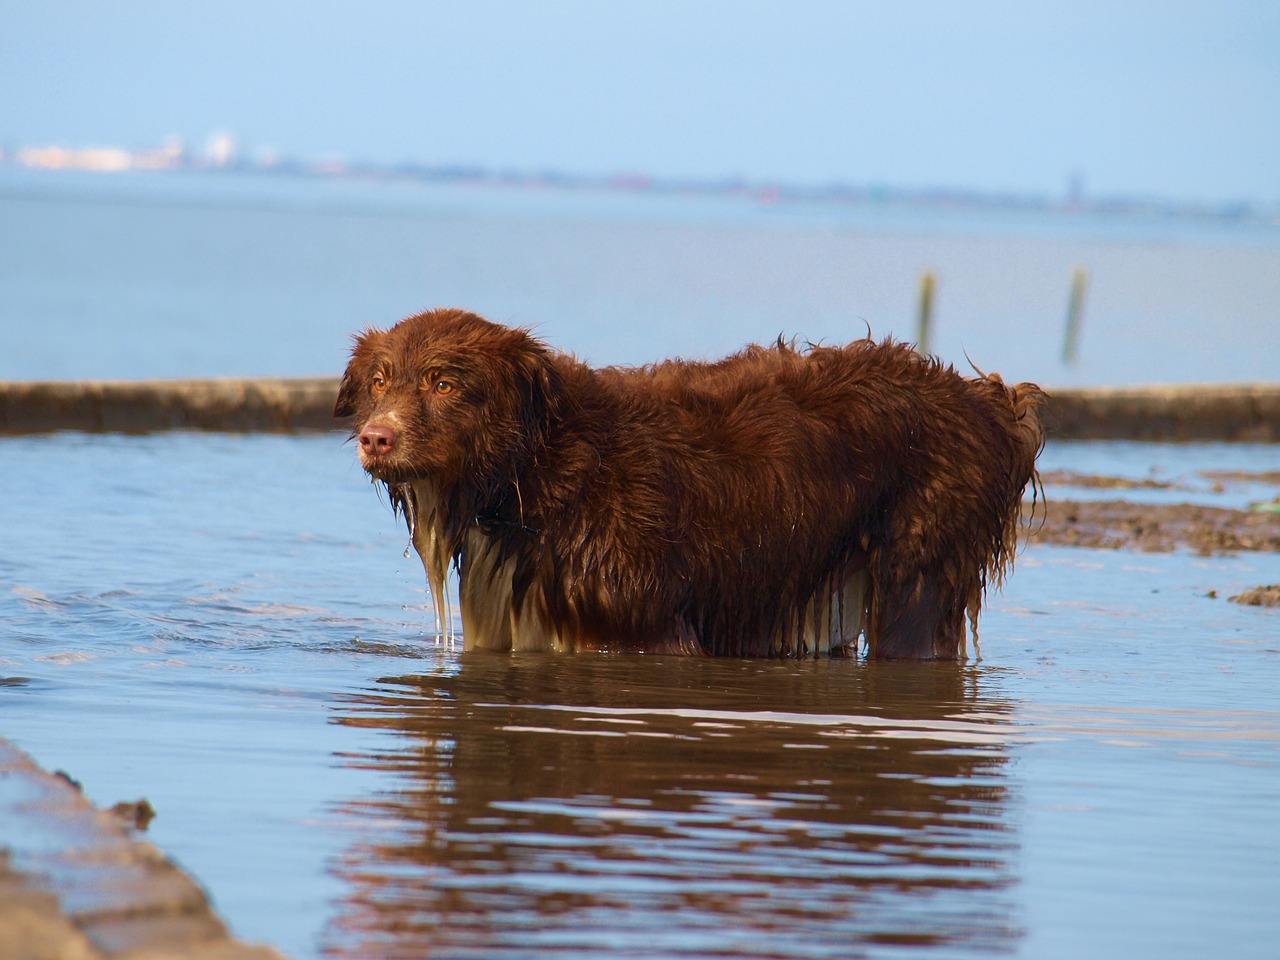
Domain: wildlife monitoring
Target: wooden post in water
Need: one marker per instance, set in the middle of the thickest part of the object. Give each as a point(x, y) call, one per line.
point(927, 284)
point(1075, 310)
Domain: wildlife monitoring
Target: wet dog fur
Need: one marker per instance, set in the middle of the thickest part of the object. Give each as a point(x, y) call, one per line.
point(779, 502)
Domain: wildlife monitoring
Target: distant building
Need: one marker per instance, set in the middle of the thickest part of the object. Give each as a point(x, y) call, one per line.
point(102, 159)
point(221, 151)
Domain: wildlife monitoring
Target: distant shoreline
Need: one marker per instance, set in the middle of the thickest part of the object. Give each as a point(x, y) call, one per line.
point(112, 161)
point(1226, 412)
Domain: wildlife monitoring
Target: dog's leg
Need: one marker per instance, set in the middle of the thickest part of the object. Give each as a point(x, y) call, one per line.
point(529, 629)
point(850, 612)
point(484, 590)
point(917, 621)
point(833, 618)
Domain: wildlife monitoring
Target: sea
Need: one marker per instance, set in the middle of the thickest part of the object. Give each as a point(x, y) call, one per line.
point(233, 627)
point(190, 274)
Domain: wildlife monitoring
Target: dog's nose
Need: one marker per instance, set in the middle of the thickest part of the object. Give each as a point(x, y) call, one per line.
point(377, 441)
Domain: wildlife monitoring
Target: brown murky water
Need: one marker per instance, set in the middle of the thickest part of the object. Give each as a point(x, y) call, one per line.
point(606, 806)
point(227, 626)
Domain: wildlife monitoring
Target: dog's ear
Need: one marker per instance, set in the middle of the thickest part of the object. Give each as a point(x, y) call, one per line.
point(542, 385)
point(359, 369)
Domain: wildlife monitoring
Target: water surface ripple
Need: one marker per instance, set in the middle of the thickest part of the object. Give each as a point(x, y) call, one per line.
point(228, 626)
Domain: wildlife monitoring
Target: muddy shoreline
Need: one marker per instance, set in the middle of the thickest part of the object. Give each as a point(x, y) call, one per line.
point(1158, 528)
point(1151, 528)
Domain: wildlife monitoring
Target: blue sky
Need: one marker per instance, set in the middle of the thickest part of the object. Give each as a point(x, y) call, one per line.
point(1172, 99)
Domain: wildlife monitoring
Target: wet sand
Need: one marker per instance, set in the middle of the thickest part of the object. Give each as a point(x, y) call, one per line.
point(1268, 596)
point(1153, 528)
point(1159, 527)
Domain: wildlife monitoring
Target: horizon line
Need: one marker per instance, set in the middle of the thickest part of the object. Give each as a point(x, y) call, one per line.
point(222, 155)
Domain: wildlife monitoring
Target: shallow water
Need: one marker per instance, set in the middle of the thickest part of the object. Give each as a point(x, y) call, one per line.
point(1235, 476)
point(190, 275)
point(227, 625)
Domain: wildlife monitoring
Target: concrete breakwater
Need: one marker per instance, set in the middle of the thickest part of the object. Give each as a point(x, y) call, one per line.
point(79, 883)
point(1233, 412)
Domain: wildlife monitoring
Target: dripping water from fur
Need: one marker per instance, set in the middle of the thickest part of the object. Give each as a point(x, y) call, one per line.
point(424, 538)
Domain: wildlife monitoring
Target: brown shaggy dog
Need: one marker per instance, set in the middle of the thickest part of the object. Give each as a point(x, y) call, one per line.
point(778, 502)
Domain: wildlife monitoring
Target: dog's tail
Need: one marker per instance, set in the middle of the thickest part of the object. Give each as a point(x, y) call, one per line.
point(1025, 430)
point(1020, 405)
point(1027, 400)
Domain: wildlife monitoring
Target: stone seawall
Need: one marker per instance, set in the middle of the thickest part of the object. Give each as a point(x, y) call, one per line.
point(146, 406)
point(1246, 412)
point(80, 883)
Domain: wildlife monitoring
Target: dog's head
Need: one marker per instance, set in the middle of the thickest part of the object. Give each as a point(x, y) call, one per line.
point(446, 395)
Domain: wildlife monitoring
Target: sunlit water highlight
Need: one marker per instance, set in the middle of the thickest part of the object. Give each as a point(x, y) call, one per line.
point(227, 626)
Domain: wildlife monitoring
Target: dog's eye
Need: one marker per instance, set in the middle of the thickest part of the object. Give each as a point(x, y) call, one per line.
point(379, 384)
point(443, 387)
